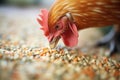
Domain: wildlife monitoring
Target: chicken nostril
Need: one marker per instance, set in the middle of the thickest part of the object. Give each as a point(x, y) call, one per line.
point(50, 38)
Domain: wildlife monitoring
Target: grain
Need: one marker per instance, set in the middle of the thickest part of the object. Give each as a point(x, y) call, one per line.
point(28, 63)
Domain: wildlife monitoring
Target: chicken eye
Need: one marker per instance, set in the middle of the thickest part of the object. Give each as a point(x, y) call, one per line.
point(57, 27)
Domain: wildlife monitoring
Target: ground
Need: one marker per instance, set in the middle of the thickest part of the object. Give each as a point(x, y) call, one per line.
point(25, 52)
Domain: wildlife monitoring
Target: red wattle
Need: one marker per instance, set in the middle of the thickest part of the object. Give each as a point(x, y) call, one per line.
point(70, 36)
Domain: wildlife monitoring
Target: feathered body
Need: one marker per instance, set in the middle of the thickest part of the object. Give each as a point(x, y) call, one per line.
point(87, 13)
point(66, 17)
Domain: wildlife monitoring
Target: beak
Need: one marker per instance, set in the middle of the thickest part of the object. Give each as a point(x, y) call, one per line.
point(54, 42)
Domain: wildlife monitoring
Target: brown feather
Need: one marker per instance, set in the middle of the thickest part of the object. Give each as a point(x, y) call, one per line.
point(86, 13)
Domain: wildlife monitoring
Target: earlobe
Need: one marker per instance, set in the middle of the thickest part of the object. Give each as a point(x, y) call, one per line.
point(69, 16)
point(71, 24)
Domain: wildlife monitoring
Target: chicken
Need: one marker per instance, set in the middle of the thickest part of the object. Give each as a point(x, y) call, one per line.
point(66, 17)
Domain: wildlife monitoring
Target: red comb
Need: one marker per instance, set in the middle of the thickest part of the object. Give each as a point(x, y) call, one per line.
point(43, 21)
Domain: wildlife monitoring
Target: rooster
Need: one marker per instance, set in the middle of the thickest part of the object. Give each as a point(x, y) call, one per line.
point(66, 17)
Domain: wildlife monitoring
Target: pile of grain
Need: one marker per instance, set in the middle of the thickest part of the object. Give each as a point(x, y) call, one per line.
point(19, 62)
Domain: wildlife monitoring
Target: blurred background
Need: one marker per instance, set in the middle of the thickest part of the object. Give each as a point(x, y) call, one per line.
point(18, 23)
